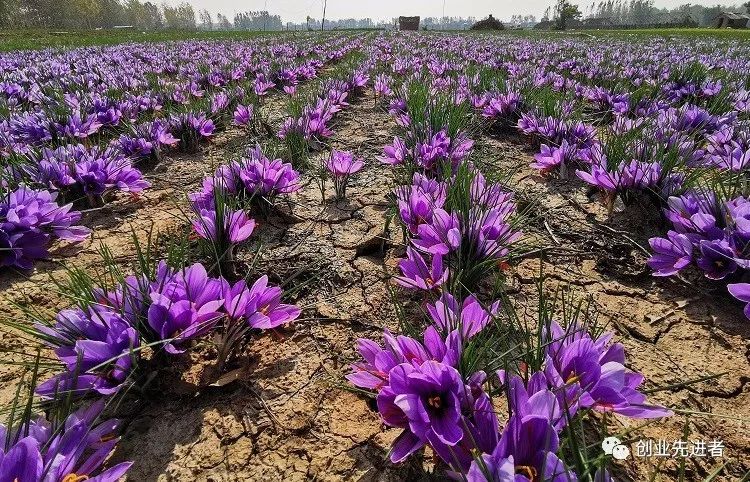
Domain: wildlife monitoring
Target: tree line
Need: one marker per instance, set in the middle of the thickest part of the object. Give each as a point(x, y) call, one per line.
point(638, 13)
point(90, 14)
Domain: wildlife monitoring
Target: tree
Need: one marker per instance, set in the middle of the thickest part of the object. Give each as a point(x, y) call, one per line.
point(153, 18)
point(747, 6)
point(110, 13)
point(6, 12)
point(205, 18)
point(181, 17)
point(134, 13)
point(80, 14)
point(565, 12)
point(223, 22)
point(40, 13)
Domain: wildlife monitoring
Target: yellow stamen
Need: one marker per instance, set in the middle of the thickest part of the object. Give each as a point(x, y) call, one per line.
point(572, 379)
point(527, 470)
point(74, 478)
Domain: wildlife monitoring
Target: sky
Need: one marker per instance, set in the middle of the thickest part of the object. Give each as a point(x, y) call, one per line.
point(298, 10)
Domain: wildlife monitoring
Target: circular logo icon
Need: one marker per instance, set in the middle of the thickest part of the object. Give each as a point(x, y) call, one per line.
point(610, 443)
point(621, 452)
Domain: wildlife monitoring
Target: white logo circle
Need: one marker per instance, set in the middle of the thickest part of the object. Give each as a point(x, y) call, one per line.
point(610, 443)
point(621, 452)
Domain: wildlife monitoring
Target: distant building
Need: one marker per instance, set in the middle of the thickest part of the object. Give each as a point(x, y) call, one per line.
point(597, 22)
point(408, 23)
point(544, 25)
point(732, 20)
point(489, 23)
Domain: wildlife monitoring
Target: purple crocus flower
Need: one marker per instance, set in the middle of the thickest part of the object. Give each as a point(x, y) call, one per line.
point(468, 317)
point(341, 163)
point(382, 85)
point(53, 172)
point(28, 209)
point(372, 373)
point(552, 157)
point(434, 150)
point(501, 105)
point(75, 452)
point(441, 236)
point(260, 305)
point(533, 398)
point(525, 453)
point(191, 128)
point(243, 115)
point(591, 373)
point(77, 127)
point(717, 259)
point(492, 469)
point(21, 249)
point(416, 203)
point(459, 150)
point(265, 177)
point(491, 196)
point(237, 225)
point(671, 254)
point(491, 232)
point(204, 127)
point(92, 176)
point(426, 401)
point(418, 275)
point(161, 134)
point(681, 209)
point(395, 154)
point(741, 291)
point(599, 177)
point(261, 85)
point(23, 462)
point(219, 103)
point(185, 307)
point(96, 349)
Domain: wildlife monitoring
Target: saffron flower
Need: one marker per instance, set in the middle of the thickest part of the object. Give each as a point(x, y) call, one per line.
point(76, 452)
point(416, 274)
point(373, 372)
point(395, 154)
point(29, 220)
point(552, 157)
point(671, 254)
point(236, 226)
point(266, 177)
point(468, 317)
point(186, 307)
point(525, 453)
point(96, 349)
point(21, 249)
point(441, 236)
point(341, 165)
point(260, 305)
point(716, 259)
point(502, 105)
point(592, 374)
point(426, 401)
point(243, 115)
point(741, 291)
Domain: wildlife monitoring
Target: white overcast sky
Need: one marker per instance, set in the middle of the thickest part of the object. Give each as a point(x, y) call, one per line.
point(298, 10)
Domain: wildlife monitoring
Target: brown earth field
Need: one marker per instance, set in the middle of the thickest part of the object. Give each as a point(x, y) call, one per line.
point(286, 414)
